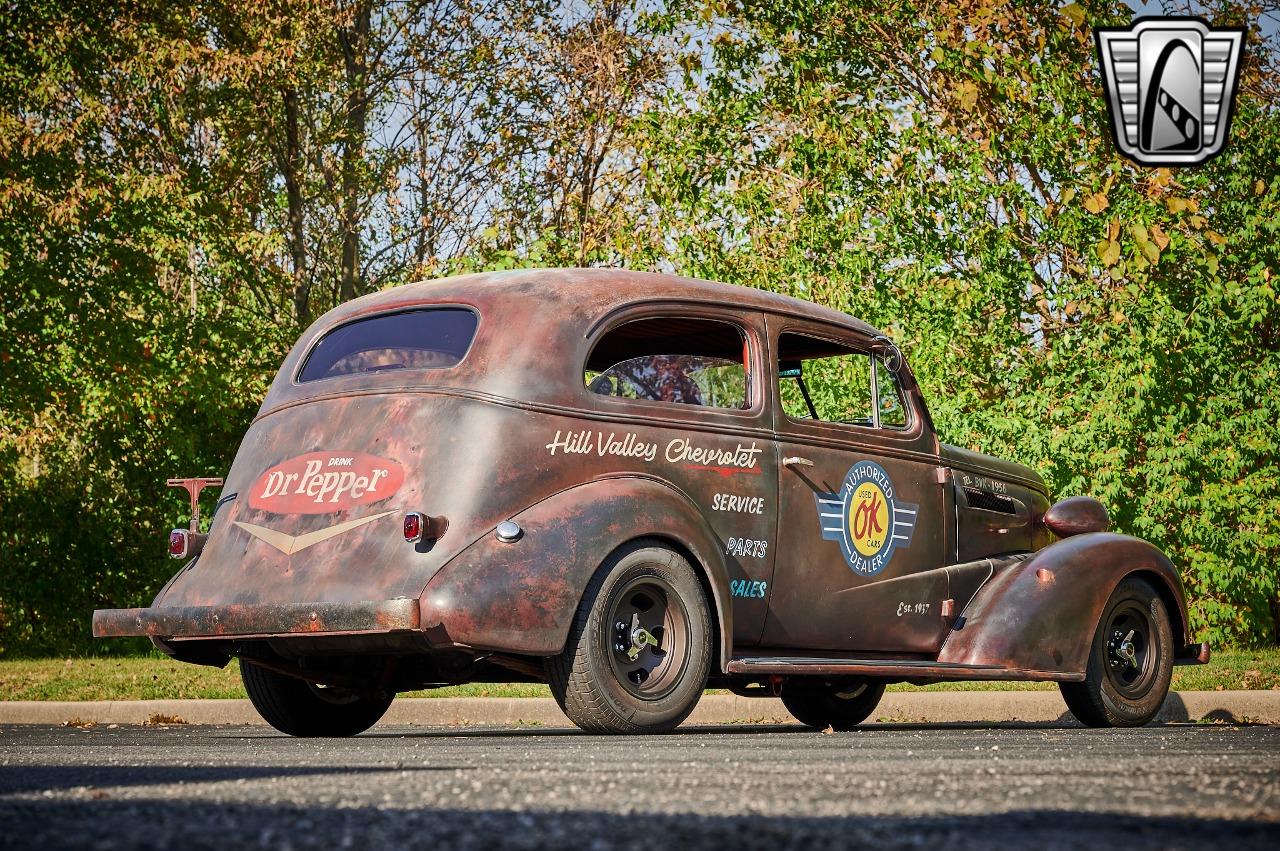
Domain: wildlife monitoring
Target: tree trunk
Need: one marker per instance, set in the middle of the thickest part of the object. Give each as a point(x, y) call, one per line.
point(293, 193)
point(354, 41)
point(422, 248)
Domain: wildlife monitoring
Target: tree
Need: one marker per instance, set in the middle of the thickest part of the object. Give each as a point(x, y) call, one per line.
point(183, 188)
point(125, 349)
point(573, 93)
point(946, 173)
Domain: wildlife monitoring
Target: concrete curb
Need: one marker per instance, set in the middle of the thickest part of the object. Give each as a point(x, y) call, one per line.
point(897, 707)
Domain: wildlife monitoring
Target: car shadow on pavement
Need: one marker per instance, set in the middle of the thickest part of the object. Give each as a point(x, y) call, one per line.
point(1174, 711)
point(514, 731)
point(193, 825)
point(888, 725)
point(15, 779)
point(1065, 723)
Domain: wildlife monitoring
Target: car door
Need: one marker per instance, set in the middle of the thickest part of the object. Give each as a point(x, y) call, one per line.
point(685, 392)
point(860, 541)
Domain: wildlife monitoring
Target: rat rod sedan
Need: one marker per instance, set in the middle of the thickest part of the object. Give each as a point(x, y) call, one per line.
point(634, 487)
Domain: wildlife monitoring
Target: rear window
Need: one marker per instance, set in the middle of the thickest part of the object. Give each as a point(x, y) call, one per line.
point(435, 338)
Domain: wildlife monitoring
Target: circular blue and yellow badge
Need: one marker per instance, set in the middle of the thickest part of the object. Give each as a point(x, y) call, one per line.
point(866, 518)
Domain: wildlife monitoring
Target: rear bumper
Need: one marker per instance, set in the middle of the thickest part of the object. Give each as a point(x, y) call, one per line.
point(260, 621)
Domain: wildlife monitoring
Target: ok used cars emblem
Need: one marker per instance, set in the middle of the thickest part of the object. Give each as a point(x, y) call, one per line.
point(866, 518)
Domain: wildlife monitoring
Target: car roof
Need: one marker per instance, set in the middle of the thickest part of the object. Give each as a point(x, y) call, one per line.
point(600, 291)
point(533, 322)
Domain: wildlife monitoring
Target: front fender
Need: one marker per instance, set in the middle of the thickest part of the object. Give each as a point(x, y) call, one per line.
point(1041, 615)
point(521, 597)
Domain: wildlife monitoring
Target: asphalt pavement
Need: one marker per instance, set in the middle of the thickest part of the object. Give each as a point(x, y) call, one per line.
point(924, 707)
point(891, 785)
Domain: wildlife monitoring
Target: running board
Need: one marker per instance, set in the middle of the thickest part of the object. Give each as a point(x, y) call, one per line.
point(808, 665)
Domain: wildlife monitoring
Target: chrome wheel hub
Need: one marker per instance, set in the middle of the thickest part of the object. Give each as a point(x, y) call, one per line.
point(1123, 652)
point(633, 638)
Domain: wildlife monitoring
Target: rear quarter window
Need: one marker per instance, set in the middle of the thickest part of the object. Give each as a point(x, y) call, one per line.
point(673, 360)
point(431, 338)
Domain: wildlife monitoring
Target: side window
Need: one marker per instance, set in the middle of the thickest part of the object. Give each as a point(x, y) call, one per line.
point(893, 405)
point(822, 380)
point(674, 360)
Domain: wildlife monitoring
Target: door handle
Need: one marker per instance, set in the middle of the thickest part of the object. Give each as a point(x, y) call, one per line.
point(796, 461)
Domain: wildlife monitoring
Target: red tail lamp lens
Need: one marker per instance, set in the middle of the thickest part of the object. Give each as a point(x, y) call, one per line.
point(178, 543)
point(413, 527)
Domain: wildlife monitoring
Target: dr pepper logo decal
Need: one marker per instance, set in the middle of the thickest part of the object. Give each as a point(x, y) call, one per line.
point(325, 482)
point(866, 518)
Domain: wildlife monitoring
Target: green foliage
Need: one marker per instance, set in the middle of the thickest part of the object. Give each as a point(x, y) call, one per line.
point(946, 173)
point(182, 186)
point(126, 351)
point(838, 386)
point(152, 676)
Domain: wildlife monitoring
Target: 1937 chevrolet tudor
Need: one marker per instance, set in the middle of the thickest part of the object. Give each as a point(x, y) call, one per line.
point(633, 487)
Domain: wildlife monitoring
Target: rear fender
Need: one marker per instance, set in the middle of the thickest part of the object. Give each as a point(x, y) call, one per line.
point(521, 597)
point(1041, 615)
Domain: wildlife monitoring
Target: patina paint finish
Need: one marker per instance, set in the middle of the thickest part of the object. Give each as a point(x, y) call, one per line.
point(870, 551)
point(1077, 515)
point(830, 597)
point(503, 596)
point(1039, 613)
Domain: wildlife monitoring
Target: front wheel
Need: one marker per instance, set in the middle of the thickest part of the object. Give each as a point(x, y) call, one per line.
point(299, 708)
point(840, 705)
point(639, 649)
point(1130, 662)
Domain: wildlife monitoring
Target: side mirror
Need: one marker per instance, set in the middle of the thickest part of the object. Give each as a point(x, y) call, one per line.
point(889, 353)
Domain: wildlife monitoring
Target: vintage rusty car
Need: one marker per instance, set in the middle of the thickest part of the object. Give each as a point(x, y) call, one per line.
point(633, 487)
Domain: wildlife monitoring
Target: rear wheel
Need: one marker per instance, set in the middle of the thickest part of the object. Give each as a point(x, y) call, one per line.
point(840, 705)
point(300, 708)
point(639, 649)
point(1130, 662)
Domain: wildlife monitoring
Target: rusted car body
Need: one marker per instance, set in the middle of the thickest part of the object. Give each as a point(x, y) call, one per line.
point(439, 516)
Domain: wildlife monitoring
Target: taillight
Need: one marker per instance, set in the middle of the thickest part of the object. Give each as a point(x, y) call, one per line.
point(183, 543)
point(179, 543)
point(423, 528)
point(413, 525)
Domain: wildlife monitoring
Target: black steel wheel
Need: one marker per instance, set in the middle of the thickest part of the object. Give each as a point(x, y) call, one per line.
point(1130, 661)
point(639, 649)
point(299, 708)
point(840, 705)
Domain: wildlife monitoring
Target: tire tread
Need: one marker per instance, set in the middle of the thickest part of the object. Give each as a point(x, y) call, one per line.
point(569, 673)
point(291, 707)
point(1088, 700)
